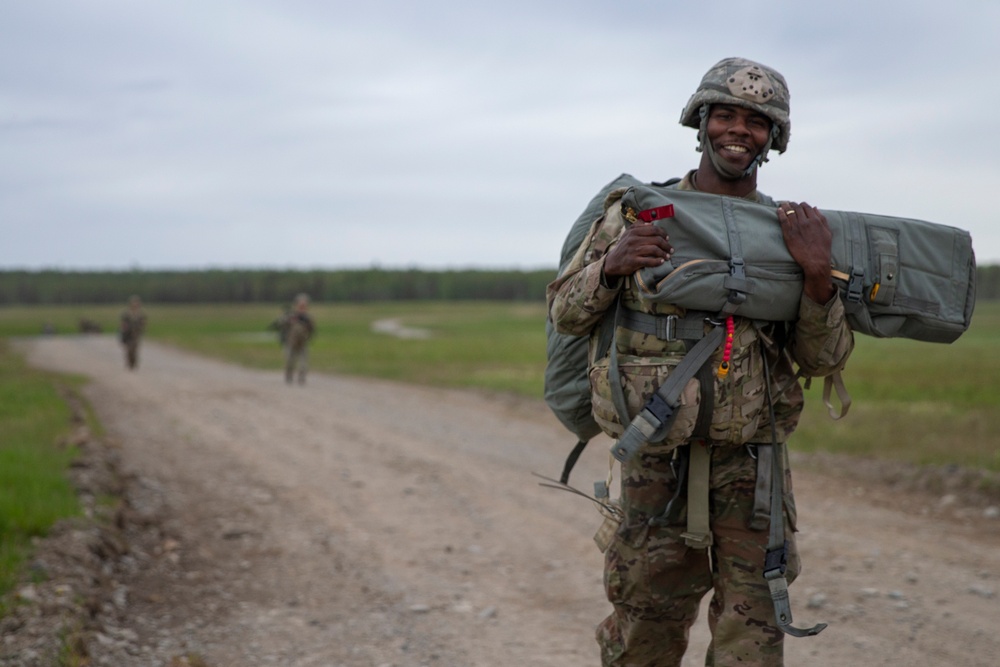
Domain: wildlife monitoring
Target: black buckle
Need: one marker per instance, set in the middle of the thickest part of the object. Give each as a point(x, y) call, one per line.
point(737, 281)
point(776, 559)
point(659, 408)
point(855, 287)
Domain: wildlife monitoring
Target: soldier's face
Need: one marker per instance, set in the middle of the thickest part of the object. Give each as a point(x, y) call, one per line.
point(737, 134)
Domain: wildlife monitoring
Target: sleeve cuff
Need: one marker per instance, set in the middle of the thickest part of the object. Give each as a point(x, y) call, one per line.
point(829, 313)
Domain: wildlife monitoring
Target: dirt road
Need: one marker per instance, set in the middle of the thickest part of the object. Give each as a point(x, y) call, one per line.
point(353, 522)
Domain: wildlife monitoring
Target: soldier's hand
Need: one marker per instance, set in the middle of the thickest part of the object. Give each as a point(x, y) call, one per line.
point(641, 244)
point(810, 241)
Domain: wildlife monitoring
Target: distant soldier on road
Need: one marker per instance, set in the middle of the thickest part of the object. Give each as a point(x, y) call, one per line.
point(296, 328)
point(131, 329)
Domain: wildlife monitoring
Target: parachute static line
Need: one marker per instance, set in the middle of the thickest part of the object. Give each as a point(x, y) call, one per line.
point(727, 351)
point(550, 483)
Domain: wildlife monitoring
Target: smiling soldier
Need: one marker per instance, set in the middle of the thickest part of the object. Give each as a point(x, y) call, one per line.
point(691, 501)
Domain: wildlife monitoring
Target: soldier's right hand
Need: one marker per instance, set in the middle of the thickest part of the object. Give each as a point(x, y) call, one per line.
point(641, 244)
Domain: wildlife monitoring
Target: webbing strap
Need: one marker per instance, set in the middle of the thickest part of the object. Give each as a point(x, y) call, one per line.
point(571, 460)
point(665, 327)
point(761, 516)
point(698, 534)
point(836, 381)
point(706, 408)
point(776, 559)
point(855, 284)
point(736, 282)
point(614, 375)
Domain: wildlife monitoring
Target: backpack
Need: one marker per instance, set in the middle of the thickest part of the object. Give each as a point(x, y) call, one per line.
point(891, 272)
point(566, 387)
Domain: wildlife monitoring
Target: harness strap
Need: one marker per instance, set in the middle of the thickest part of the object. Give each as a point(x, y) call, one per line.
point(698, 534)
point(706, 408)
point(679, 465)
point(761, 517)
point(665, 327)
point(776, 559)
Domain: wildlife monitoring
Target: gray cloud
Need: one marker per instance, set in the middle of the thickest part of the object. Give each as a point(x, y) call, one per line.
point(452, 134)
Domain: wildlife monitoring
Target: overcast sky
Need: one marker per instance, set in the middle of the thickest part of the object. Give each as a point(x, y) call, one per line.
point(432, 134)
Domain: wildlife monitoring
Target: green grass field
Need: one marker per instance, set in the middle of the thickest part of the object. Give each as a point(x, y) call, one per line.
point(919, 402)
point(34, 488)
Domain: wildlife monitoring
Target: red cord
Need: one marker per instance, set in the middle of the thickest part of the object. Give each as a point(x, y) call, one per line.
point(727, 351)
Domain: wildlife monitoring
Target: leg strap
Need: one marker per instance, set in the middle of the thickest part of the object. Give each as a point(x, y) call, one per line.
point(777, 547)
point(699, 533)
point(761, 517)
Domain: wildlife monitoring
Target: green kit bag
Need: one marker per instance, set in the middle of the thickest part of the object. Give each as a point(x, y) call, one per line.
point(567, 389)
point(898, 277)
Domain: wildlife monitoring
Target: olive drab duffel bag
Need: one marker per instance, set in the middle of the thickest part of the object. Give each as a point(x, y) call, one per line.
point(898, 277)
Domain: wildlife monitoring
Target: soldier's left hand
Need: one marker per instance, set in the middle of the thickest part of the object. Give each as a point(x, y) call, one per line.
point(810, 241)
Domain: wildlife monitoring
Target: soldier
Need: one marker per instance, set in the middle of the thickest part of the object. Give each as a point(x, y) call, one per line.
point(131, 329)
point(657, 569)
point(296, 329)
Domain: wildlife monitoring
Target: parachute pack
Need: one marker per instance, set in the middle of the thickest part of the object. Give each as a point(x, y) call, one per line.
point(898, 277)
point(566, 388)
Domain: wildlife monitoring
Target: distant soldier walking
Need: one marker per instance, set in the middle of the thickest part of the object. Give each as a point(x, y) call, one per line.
point(296, 329)
point(131, 329)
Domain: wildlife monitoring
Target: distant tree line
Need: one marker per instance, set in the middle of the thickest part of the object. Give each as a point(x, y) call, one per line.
point(269, 286)
point(278, 286)
point(988, 282)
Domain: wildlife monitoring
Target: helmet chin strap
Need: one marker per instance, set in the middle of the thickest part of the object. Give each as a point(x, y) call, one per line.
point(727, 171)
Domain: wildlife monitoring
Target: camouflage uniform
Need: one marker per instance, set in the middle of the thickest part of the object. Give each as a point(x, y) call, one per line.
point(131, 328)
point(652, 578)
point(297, 328)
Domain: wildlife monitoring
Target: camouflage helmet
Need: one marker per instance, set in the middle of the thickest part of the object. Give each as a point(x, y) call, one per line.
point(747, 84)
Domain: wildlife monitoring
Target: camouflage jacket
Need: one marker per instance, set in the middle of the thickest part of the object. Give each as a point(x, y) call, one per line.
point(818, 343)
point(298, 329)
point(133, 324)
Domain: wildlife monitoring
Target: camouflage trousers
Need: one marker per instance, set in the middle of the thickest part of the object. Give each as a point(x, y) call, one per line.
point(132, 352)
point(296, 362)
point(655, 582)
